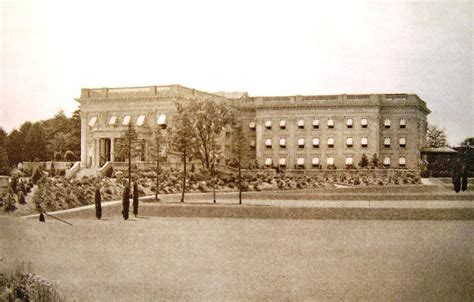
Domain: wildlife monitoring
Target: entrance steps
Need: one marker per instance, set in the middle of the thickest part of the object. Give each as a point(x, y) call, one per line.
point(86, 172)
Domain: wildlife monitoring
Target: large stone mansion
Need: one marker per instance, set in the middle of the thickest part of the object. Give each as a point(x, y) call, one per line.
point(294, 132)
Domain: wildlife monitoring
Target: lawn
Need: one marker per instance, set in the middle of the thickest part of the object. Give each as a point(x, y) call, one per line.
point(153, 258)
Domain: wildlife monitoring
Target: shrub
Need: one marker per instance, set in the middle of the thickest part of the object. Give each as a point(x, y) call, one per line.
point(119, 174)
point(69, 155)
point(9, 203)
point(98, 206)
point(14, 184)
point(135, 199)
point(125, 202)
point(37, 174)
point(109, 171)
point(58, 156)
point(21, 198)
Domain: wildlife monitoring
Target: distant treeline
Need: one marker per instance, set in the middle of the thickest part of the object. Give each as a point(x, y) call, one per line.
point(50, 139)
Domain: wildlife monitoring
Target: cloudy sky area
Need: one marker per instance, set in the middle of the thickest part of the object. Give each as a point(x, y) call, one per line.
point(51, 49)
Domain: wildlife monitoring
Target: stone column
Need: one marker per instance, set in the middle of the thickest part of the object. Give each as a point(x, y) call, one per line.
point(84, 140)
point(112, 149)
point(97, 153)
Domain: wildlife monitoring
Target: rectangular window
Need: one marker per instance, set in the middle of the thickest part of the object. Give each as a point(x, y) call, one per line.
point(301, 124)
point(126, 119)
point(316, 142)
point(282, 142)
point(282, 162)
point(386, 161)
point(402, 123)
point(401, 161)
point(364, 122)
point(349, 161)
point(364, 142)
point(315, 124)
point(386, 142)
point(330, 161)
point(161, 121)
point(331, 142)
point(268, 161)
point(349, 142)
point(300, 162)
point(282, 124)
point(403, 142)
point(112, 120)
point(349, 123)
point(330, 123)
point(315, 162)
point(268, 143)
point(140, 120)
point(301, 142)
point(252, 144)
point(252, 125)
point(92, 121)
point(387, 123)
point(268, 124)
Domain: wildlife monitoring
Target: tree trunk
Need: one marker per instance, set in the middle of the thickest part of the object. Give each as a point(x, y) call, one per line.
point(240, 183)
point(184, 174)
point(213, 182)
point(129, 161)
point(157, 165)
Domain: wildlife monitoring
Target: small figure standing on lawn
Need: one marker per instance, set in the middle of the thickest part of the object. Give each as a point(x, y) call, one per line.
point(456, 175)
point(465, 175)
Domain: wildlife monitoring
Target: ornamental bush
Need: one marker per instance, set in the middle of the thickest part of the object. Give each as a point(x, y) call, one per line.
point(58, 156)
point(135, 199)
point(125, 202)
point(8, 201)
point(21, 197)
point(69, 155)
point(98, 206)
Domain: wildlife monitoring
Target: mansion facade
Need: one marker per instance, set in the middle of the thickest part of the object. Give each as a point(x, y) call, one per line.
point(295, 132)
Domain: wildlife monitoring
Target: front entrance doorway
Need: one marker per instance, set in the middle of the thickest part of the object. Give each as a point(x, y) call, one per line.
point(104, 145)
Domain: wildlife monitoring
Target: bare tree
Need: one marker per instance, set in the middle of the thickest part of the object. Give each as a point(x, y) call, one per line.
point(435, 137)
point(240, 151)
point(157, 146)
point(127, 145)
point(182, 139)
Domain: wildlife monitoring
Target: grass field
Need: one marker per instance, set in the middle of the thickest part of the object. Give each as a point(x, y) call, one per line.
point(203, 259)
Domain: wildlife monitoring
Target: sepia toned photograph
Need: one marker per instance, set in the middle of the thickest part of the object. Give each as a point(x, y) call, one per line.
point(236, 150)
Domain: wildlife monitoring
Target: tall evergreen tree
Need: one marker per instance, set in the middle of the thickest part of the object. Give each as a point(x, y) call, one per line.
point(364, 161)
point(375, 161)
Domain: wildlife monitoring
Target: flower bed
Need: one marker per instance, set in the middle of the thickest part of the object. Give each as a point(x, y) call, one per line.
point(57, 193)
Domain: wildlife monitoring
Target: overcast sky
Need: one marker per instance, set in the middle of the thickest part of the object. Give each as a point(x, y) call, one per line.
point(51, 49)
